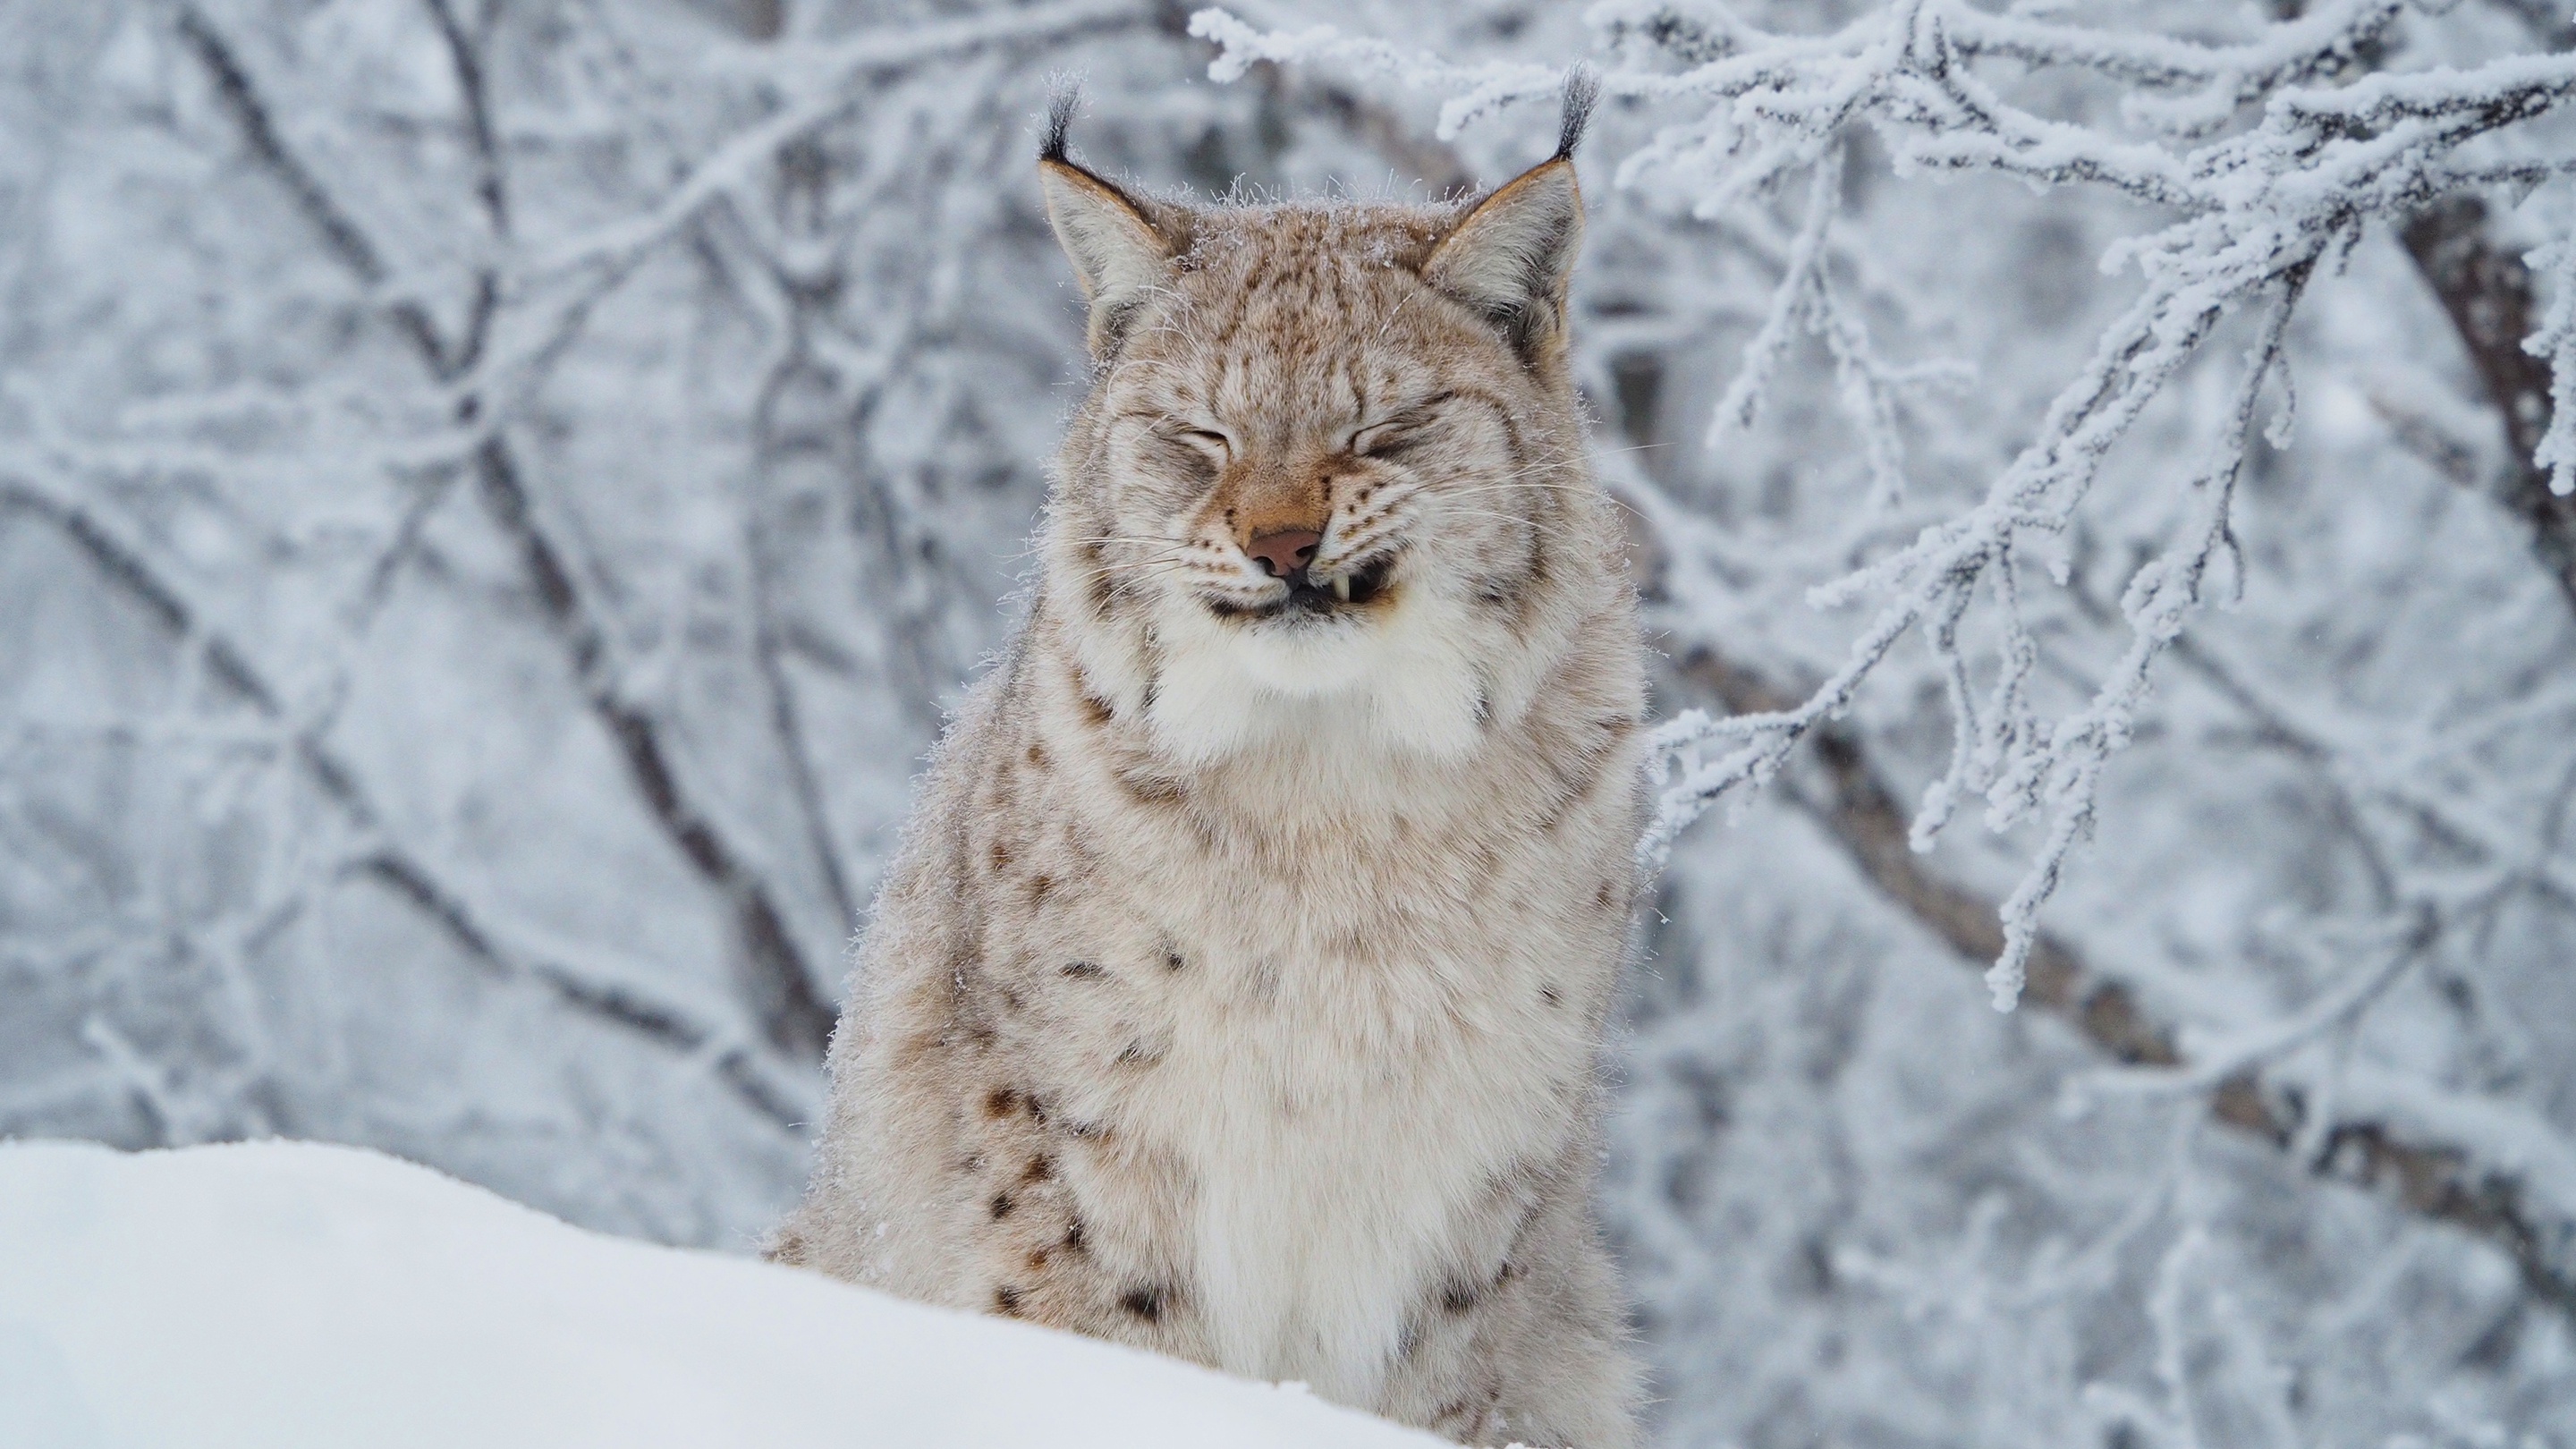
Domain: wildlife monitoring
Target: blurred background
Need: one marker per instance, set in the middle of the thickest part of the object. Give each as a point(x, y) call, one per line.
point(495, 496)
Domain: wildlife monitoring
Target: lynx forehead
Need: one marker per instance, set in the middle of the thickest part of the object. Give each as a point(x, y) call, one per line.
point(1239, 988)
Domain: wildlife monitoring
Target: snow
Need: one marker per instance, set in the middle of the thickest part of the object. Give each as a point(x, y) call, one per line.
point(289, 1293)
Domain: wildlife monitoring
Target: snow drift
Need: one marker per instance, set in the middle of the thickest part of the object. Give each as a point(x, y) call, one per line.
point(280, 1294)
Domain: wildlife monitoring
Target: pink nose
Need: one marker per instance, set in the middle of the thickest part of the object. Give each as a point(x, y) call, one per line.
point(1284, 554)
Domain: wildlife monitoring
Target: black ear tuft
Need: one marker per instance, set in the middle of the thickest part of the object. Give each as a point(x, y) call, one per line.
point(1063, 99)
point(1582, 93)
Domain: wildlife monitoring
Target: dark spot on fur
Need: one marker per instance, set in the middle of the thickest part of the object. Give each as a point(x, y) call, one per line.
point(1006, 1302)
point(1088, 1131)
point(1536, 576)
point(1073, 1239)
point(1040, 1168)
point(1083, 968)
point(1145, 1303)
point(1037, 1110)
point(1136, 1055)
point(1001, 1102)
point(1609, 894)
point(1172, 960)
point(1000, 855)
point(1037, 1259)
point(1095, 710)
point(1001, 1206)
point(1038, 757)
point(1458, 1298)
point(1548, 995)
point(1096, 580)
point(1010, 999)
point(1039, 885)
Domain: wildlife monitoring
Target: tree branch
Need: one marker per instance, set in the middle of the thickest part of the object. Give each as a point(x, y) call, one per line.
point(2430, 1179)
point(385, 860)
point(2487, 294)
point(771, 972)
point(341, 235)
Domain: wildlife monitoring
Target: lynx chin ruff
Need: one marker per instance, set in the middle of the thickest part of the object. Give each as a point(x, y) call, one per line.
point(1239, 989)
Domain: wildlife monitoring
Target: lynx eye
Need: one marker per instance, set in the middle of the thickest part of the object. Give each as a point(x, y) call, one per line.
point(1387, 440)
point(1215, 442)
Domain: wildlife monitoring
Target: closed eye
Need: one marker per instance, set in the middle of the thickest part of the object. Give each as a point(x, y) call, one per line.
point(1214, 442)
point(1388, 441)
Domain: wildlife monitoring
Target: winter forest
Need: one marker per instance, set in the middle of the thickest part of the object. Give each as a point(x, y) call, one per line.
point(496, 495)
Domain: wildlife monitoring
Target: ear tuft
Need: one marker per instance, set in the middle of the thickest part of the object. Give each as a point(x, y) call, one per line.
point(1063, 100)
point(1511, 258)
point(1582, 93)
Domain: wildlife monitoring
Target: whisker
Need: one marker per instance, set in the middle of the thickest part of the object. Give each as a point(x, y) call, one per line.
point(1603, 493)
point(1170, 551)
point(1122, 568)
point(1134, 581)
point(1533, 524)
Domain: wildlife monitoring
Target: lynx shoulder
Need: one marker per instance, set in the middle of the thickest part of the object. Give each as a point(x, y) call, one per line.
point(1240, 987)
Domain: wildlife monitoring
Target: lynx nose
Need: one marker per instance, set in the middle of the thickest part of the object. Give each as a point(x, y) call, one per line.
point(1284, 554)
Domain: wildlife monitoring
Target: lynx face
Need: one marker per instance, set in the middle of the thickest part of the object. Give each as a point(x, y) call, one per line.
point(1333, 450)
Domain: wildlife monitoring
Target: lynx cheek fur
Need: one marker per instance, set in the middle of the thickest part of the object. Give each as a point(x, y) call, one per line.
point(1239, 989)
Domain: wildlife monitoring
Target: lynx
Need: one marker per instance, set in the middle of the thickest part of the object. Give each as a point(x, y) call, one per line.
point(1239, 989)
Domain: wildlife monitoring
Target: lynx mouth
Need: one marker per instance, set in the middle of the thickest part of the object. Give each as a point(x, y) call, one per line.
point(1345, 594)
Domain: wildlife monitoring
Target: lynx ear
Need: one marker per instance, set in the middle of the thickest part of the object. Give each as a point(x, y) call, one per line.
point(1118, 252)
point(1511, 257)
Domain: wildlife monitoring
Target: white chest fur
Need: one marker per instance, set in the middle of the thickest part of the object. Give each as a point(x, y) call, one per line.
point(1342, 1171)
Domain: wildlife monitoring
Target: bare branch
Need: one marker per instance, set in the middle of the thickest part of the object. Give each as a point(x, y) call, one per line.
point(778, 986)
point(772, 974)
point(382, 857)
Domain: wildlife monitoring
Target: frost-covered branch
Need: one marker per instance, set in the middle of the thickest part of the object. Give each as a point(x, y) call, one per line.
point(2485, 1181)
point(778, 983)
point(373, 849)
point(2524, 366)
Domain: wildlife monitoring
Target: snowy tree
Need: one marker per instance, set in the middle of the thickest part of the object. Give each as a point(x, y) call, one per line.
point(493, 498)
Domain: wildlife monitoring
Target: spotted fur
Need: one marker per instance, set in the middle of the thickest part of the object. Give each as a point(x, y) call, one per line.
point(1240, 987)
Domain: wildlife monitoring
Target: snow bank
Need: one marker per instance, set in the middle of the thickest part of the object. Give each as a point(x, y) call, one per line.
point(284, 1294)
